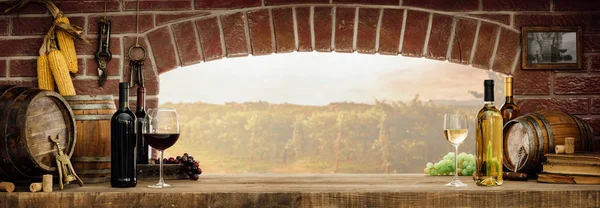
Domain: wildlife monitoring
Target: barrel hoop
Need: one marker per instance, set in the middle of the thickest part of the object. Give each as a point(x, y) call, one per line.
point(540, 137)
point(92, 117)
point(548, 130)
point(590, 137)
point(93, 106)
point(92, 171)
point(89, 97)
point(582, 132)
point(90, 159)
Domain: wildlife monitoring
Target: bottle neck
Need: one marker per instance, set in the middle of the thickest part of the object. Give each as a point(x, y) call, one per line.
point(141, 99)
point(509, 89)
point(509, 99)
point(488, 103)
point(123, 98)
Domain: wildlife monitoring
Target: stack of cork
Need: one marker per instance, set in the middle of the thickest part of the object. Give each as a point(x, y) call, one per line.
point(568, 148)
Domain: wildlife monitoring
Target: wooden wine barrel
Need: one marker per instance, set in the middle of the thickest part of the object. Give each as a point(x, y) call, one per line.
point(537, 133)
point(28, 117)
point(91, 158)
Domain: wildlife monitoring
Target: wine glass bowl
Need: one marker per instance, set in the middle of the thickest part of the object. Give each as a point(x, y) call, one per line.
point(161, 131)
point(456, 130)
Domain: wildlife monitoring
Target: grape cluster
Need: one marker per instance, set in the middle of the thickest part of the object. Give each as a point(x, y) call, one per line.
point(189, 165)
point(466, 165)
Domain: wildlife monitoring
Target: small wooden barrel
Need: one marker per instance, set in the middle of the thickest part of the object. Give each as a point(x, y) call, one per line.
point(28, 117)
point(538, 133)
point(91, 158)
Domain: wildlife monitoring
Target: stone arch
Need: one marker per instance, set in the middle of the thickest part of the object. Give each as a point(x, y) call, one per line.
point(483, 41)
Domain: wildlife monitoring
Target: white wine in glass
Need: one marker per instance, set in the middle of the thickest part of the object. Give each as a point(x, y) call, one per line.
point(456, 130)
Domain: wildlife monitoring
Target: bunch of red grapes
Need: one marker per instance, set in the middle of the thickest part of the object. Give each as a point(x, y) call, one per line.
point(189, 167)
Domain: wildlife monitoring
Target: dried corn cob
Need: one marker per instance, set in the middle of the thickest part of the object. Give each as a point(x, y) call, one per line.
point(45, 80)
point(66, 45)
point(60, 71)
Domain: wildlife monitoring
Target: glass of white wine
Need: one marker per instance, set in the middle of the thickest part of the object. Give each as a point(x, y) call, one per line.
point(456, 130)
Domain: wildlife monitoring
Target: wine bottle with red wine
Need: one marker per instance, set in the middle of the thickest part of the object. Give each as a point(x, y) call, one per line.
point(140, 114)
point(123, 142)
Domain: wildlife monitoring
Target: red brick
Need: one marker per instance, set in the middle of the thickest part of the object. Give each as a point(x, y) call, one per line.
point(390, 31)
point(507, 49)
point(594, 61)
point(162, 19)
point(226, 4)
point(3, 68)
point(150, 102)
point(415, 33)
point(283, 23)
point(122, 23)
point(485, 45)
point(150, 77)
point(516, 5)
point(163, 51)
point(304, 29)
point(593, 122)
point(235, 35)
point(550, 20)
point(113, 68)
point(90, 87)
point(158, 5)
point(25, 83)
point(23, 67)
point(344, 29)
point(90, 6)
point(464, 38)
point(210, 38)
point(260, 32)
point(91, 48)
point(591, 44)
point(595, 106)
point(531, 82)
point(21, 47)
point(39, 25)
point(378, 2)
point(568, 105)
point(594, 22)
point(367, 30)
point(31, 8)
point(579, 5)
point(3, 26)
point(323, 20)
point(455, 5)
point(186, 42)
point(441, 29)
point(576, 84)
point(501, 18)
point(281, 2)
point(81, 64)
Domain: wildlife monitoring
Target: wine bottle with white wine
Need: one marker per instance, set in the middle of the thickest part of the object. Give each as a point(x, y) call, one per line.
point(509, 110)
point(488, 169)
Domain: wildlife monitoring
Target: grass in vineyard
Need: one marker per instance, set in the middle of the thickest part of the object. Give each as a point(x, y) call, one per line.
point(395, 137)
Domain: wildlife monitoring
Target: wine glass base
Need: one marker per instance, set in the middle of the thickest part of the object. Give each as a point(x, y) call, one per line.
point(456, 183)
point(160, 185)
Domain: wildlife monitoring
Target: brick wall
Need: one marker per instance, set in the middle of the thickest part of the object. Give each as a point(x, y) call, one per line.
point(481, 33)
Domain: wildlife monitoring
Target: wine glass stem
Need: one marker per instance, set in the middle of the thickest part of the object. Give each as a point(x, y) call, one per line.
point(455, 163)
point(160, 181)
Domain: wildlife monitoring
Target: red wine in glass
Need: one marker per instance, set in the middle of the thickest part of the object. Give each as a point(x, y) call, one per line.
point(161, 141)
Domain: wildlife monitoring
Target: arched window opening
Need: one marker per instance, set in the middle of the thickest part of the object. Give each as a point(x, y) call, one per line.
point(321, 113)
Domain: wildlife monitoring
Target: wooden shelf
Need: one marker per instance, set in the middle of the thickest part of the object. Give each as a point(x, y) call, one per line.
point(338, 190)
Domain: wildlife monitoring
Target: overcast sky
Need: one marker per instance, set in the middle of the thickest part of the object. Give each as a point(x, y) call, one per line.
point(320, 78)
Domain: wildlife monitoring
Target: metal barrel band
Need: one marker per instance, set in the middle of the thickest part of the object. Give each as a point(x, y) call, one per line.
point(88, 171)
point(540, 136)
point(548, 129)
point(90, 159)
point(89, 97)
point(92, 117)
point(93, 106)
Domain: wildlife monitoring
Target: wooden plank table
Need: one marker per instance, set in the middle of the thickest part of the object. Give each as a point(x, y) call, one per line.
point(305, 190)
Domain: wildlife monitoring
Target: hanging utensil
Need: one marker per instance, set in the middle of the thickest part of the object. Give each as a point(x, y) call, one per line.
point(103, 54)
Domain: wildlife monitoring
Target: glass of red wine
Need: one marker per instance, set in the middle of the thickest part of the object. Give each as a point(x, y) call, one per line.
point(161, 131)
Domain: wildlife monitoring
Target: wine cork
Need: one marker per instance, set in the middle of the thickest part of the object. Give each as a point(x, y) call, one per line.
point(569, 145)
point(35, 187)
point(47, 183)
point(7, 187)
point(559, 149)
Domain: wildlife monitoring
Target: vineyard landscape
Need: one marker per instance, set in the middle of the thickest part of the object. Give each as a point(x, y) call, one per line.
point(380, 136)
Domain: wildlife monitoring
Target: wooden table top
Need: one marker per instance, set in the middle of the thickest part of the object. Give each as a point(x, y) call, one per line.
point(306, 190)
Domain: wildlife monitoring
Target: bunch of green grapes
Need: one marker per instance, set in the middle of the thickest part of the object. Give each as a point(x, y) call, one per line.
point(446, 166)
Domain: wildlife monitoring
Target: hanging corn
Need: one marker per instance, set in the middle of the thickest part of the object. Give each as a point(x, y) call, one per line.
point(66, 44)
point(45, 79)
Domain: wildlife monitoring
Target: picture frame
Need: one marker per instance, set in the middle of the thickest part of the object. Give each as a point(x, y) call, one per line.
point(551, 47)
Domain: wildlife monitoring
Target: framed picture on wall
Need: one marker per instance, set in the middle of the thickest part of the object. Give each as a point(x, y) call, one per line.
point(551, 48)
